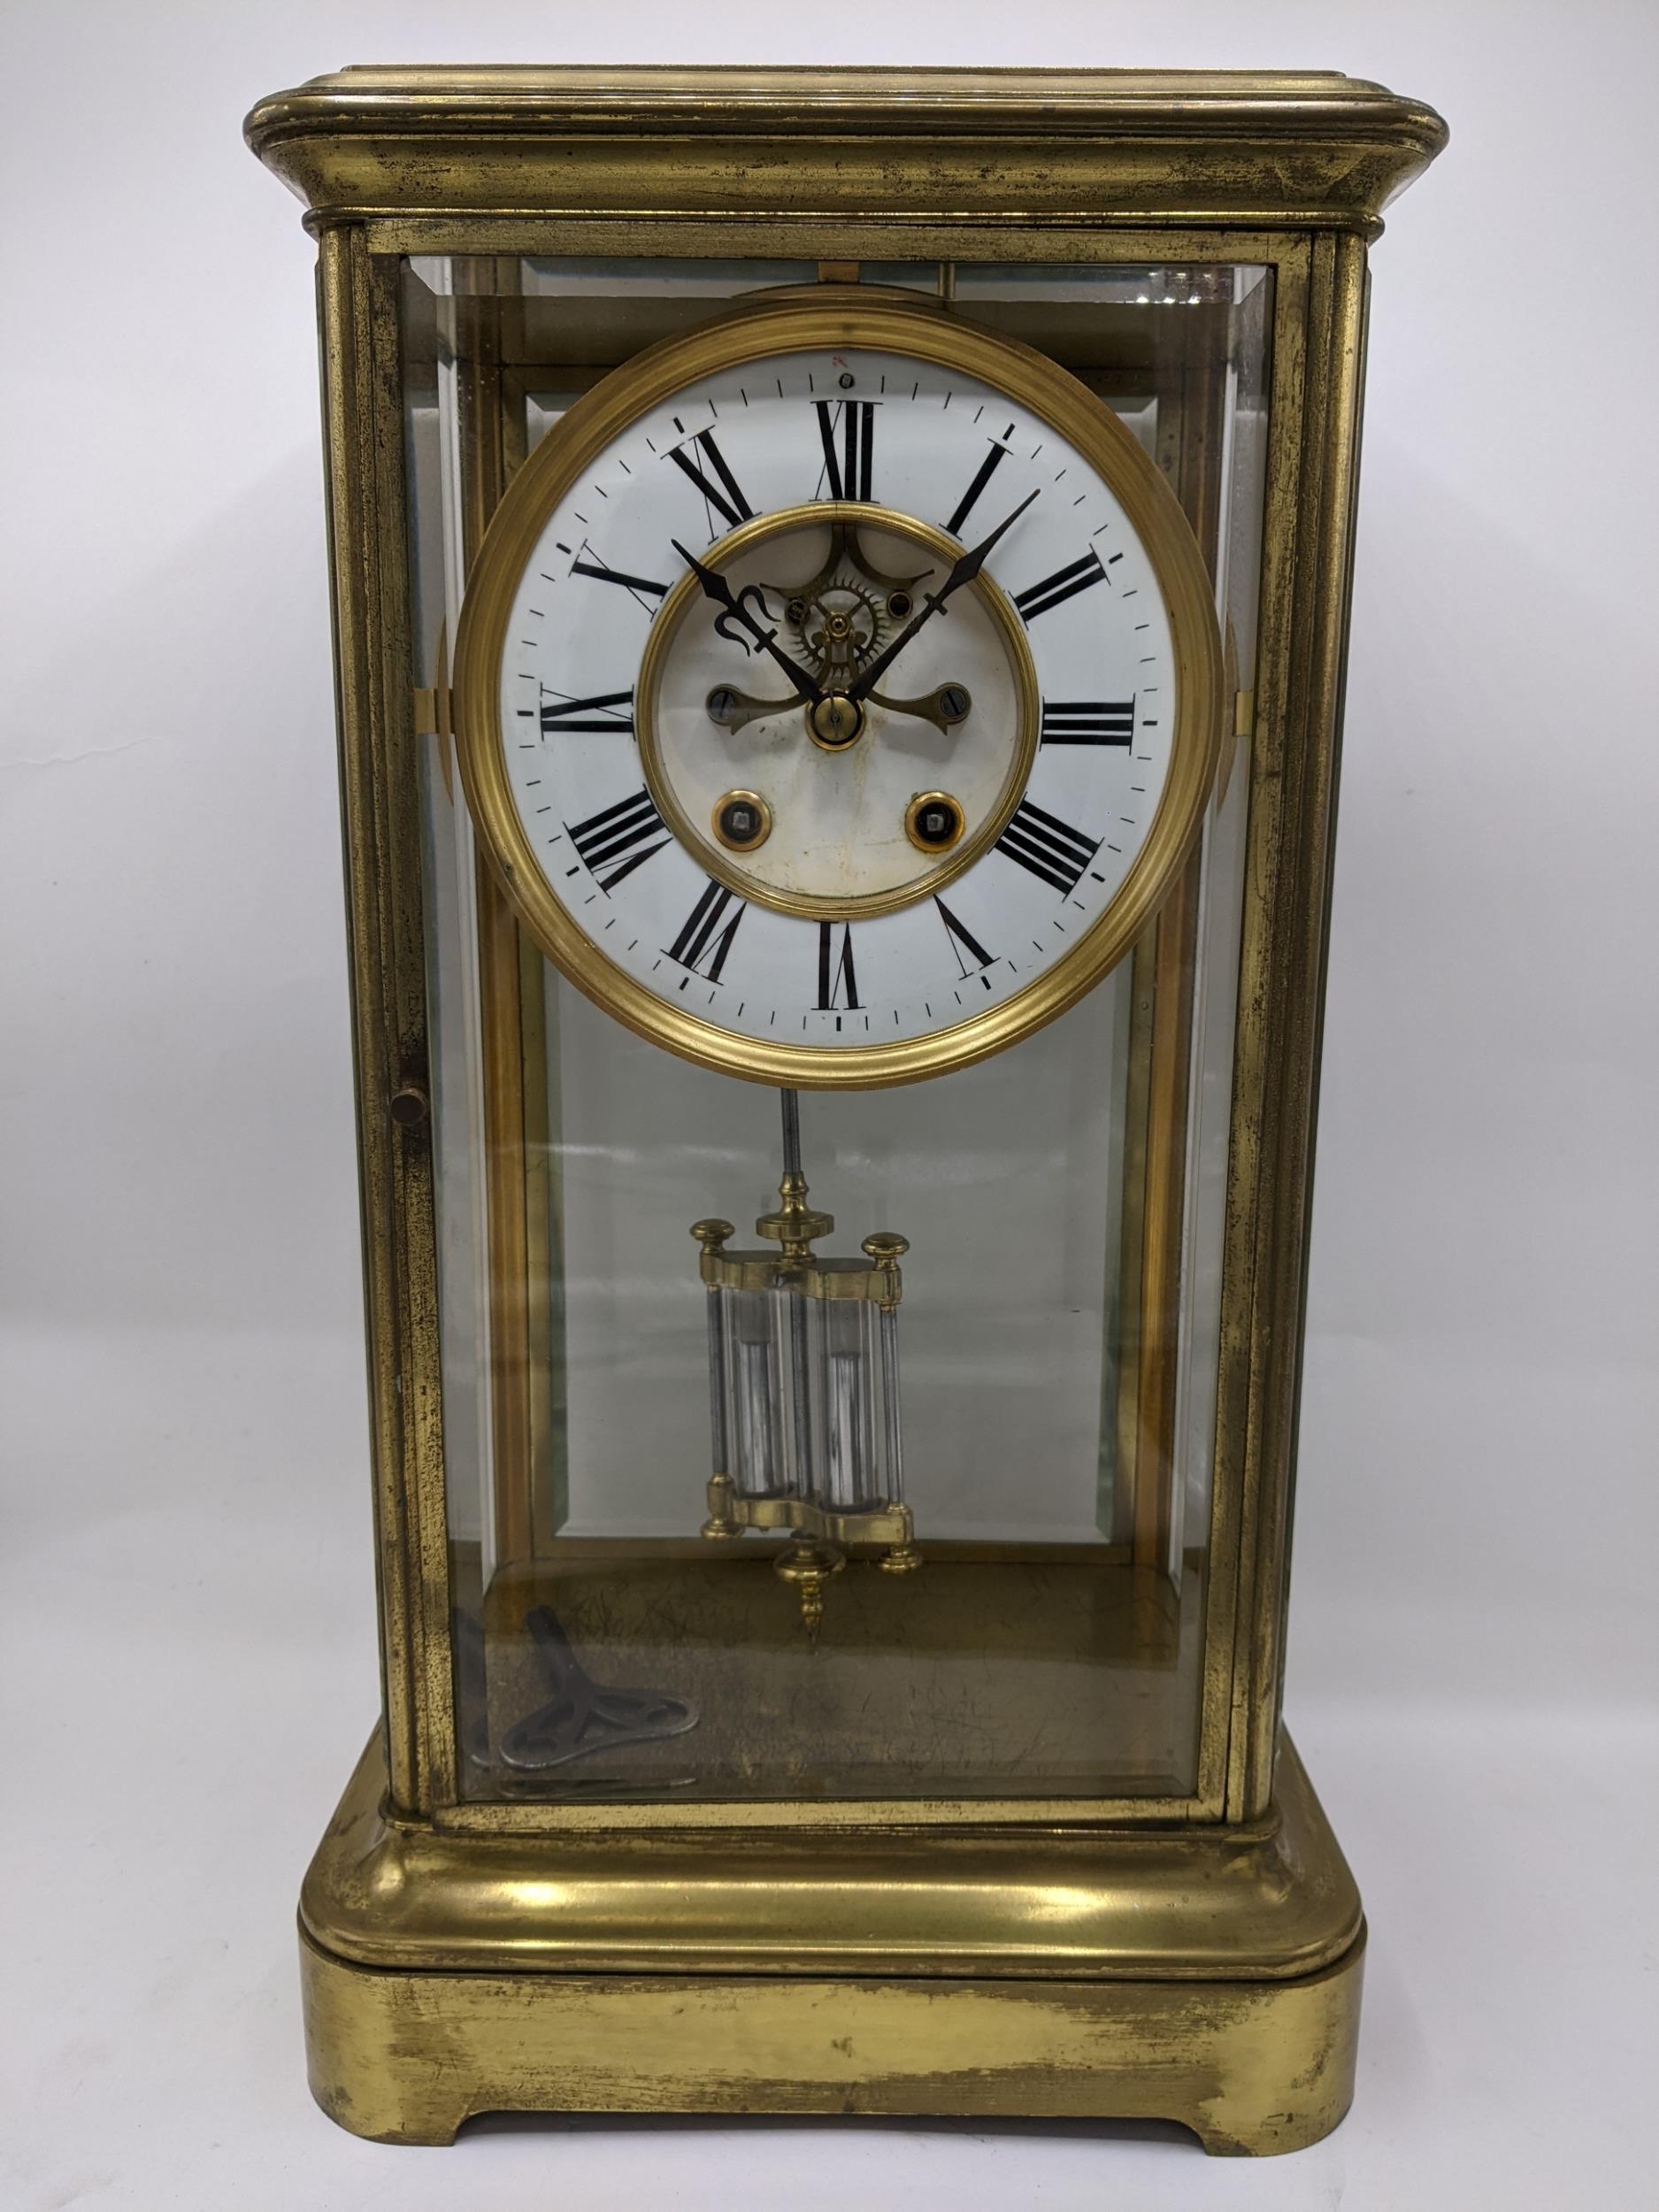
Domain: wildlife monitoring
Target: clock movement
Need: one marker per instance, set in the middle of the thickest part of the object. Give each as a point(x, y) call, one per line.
point(840, 584)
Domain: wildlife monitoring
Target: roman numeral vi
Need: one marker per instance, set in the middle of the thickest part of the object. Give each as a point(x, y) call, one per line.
point(835, 972)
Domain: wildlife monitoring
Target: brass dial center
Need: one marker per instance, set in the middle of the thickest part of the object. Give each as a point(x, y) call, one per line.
point(835, 722)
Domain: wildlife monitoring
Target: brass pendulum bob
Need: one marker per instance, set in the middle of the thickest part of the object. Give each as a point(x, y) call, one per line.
point(809, 1566)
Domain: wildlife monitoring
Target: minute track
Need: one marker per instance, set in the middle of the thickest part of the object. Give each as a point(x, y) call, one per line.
point(915, 950)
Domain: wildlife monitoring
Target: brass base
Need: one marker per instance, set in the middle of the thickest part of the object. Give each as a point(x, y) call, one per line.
point(1255, 2060)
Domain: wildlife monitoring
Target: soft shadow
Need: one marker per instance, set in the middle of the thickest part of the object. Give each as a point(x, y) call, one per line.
point(636, 2124)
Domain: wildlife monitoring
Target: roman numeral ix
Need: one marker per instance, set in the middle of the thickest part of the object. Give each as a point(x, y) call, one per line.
point(847, 475)
point(724, 498)
point(835, 973)
point(1066, 583)
point(1048, 846)
point(1088, 721)
point(703, 943)
point(618, 839)
point(609, 711)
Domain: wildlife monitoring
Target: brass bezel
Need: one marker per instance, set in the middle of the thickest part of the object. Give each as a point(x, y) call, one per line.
point(839, 321)
point(931, 798)
point(716, 859)
point(751, 844)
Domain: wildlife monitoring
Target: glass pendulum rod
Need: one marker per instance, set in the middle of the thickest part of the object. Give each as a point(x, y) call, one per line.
point(808, 1561)
point(800, 1394)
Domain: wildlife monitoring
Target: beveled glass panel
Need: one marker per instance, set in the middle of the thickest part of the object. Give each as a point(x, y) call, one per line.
point(1044, 1401)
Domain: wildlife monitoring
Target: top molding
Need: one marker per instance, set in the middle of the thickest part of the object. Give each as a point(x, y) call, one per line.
point(1239, 149)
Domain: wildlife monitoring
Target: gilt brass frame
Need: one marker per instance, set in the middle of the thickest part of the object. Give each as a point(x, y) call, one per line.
point(1197, 1959)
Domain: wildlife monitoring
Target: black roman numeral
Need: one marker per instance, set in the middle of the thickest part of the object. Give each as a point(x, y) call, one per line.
point(703, 943)
point(1088, 721)
point(615, 841)
point(835, 974)
point(964, 505)
point(1049, 848)
point(606, 574)
point(970, 954)
point(610, 710)
point(1066, 583)
point(848, 475)
point(725, 498)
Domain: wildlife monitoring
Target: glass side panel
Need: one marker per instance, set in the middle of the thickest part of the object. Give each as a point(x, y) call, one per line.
point(956, 1540)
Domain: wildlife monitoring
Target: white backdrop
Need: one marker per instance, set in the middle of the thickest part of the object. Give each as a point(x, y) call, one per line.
point(185, 1602)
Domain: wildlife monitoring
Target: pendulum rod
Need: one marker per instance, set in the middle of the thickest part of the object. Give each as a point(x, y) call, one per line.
point(794, 1190)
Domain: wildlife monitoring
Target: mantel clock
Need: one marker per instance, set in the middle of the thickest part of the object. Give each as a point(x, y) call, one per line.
point(840, 584)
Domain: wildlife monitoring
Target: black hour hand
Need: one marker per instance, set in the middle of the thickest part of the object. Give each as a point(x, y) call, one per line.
point(716, 588)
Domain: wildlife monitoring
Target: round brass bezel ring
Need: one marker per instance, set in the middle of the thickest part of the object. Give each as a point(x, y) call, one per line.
point(719, 859)
point(837, 319)
point(931, 798)
point(741, 798)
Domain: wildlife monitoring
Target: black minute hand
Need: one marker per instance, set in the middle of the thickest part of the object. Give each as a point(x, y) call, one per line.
point(718, 589)
point(964, 571)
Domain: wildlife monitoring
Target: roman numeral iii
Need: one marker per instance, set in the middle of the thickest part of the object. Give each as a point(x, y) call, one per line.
point(1048, 846)
point(1066, 583)
point(609, 711)
point(847, 475)
point(618, 839)
point(837, 982)
point(1088, 721)
point(724, 498)
point(703, 943)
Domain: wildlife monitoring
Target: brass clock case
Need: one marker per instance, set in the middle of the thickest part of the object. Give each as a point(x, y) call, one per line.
point(837, 318)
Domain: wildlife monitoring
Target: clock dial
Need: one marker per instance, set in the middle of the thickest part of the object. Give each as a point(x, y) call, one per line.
point(835, 757)
point(837, 693)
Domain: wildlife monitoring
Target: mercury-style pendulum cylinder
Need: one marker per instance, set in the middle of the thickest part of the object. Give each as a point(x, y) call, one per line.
point(804, 1389)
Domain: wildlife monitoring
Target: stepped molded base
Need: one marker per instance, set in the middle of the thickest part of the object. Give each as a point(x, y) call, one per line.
point(1254, 2059)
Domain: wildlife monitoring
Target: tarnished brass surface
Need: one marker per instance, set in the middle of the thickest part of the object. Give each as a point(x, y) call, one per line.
point(1006, 146)
point(1274, 1901)
point(731, 1512)
point(814, 1276)
point(1254, 2068)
